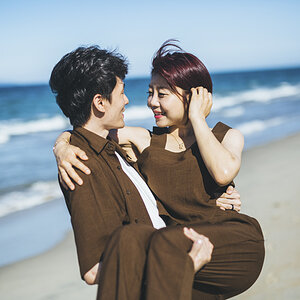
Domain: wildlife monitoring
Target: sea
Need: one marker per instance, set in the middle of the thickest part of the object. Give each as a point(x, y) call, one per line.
point(263, 104)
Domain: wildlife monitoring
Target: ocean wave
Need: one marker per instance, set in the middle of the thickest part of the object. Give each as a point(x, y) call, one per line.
point(35, 194)
point(138, 113)
point(256, 95)
point(254, 126)
point(9, 128)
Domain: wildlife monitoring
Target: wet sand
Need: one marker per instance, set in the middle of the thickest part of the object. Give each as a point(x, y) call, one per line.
point(269, 185)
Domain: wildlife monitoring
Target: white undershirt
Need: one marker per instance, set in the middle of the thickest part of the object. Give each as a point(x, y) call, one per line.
point(144, 191)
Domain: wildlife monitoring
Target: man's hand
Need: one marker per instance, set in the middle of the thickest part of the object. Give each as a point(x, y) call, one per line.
point(201, 250)
point(230, 200)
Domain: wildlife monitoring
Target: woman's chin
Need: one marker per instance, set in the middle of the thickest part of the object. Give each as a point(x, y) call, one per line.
point(159, 123)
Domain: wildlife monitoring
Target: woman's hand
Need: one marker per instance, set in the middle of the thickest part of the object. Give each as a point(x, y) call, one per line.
point(200, 103)
point(201, 250)
point(231, 199)
point(66, 158)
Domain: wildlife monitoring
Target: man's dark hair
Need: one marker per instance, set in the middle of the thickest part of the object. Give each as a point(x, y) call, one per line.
point(80, 75)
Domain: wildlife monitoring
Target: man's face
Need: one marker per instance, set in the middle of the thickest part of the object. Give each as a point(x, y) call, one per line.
point(116, 107)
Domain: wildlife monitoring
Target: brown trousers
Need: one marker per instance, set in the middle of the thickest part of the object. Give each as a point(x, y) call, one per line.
point(141, 262)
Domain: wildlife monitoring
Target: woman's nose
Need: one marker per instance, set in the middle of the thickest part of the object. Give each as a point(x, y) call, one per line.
point(152, 101)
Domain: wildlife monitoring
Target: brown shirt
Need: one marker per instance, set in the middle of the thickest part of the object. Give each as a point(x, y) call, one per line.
point(107, 199)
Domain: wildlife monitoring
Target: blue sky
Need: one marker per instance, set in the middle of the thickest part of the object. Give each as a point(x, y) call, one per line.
point(225, 35)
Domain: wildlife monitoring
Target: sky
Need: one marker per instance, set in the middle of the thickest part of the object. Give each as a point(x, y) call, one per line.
point(226, 35)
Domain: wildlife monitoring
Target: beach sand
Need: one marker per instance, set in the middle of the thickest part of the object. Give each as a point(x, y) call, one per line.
point(269, 186)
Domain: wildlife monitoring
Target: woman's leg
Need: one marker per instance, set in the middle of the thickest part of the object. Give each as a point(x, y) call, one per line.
point(235, 265)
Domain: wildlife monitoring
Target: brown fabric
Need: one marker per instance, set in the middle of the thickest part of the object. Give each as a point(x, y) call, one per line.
point(107, 199)
point(182, 182)
point(184, 186)
point(139, 263)
point(236, 262)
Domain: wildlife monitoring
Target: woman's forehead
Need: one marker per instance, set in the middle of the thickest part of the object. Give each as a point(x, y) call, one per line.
point(158, 82)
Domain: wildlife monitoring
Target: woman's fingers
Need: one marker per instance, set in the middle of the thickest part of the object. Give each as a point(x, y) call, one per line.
point(80, 153)
point(64, 178)
point(79, 165)
point(72, 173)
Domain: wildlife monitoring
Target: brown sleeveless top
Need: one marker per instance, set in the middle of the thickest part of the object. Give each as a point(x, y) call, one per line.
point(182, 183)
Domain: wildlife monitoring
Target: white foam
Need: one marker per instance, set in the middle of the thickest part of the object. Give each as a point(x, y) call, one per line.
point(36, 194)
point(12, 128)
point(254, 126)
point(257, 95)
point(233, 112)
point(138, 113)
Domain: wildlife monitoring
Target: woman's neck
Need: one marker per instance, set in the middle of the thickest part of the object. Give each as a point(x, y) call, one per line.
point(183, 132)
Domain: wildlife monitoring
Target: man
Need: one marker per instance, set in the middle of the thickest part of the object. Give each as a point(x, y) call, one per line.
point(112, 222)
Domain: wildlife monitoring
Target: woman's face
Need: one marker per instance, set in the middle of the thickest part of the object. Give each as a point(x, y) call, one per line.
point(168, 107)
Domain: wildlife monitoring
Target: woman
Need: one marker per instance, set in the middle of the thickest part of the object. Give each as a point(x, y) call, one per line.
point(185, 163)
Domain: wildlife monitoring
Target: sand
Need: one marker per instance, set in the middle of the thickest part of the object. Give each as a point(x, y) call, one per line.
point(269, 185)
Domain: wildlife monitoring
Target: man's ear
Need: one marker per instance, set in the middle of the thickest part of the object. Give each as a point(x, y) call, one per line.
point(99, 103)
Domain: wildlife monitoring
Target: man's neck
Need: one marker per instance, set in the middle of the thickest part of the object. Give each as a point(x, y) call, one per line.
point(96, 128)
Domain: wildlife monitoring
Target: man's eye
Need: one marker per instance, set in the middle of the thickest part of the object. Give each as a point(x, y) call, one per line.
point(150, 93)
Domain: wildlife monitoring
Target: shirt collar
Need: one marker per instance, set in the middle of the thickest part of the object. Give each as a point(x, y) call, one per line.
point(95, 141)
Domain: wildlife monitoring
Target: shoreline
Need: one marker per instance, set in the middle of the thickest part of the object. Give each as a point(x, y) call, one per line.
point(269, 190)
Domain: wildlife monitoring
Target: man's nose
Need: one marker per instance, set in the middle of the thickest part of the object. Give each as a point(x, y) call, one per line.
point(126, 100)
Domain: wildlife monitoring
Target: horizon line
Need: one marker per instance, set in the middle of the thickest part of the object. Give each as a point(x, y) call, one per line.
point(141, 76)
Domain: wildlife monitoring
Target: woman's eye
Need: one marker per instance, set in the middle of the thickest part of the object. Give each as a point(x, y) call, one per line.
point(161, 95)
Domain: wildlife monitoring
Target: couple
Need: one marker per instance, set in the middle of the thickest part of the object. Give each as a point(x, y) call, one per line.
point(172, 242)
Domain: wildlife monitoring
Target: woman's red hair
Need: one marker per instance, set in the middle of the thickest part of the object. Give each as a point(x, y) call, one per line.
point(179, 68)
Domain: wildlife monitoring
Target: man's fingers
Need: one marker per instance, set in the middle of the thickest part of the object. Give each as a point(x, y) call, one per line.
point(229, 201)
point(188, 234)
point(233, 195)
point(223, 205)
point(197, 245)
point(230, 189)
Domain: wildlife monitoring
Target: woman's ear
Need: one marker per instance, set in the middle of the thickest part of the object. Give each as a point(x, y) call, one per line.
point(99, 103)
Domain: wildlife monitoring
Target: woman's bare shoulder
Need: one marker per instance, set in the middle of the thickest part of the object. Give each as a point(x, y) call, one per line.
point(138, 136)
point(233, 140)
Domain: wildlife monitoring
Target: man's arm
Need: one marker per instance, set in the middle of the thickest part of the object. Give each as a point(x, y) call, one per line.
point(92, 276)
point(94, 215)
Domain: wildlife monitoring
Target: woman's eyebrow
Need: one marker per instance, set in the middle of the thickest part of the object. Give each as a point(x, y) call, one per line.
point(162, 87)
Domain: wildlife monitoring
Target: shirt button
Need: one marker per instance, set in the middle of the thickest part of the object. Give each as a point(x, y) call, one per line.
point(118, 167)
point(128, 192)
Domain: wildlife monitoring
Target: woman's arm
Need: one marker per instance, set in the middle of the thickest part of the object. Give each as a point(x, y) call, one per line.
point(132, 139)
point(223, 160)
point(66, 158)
